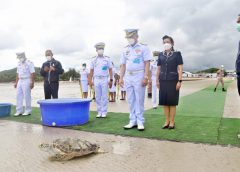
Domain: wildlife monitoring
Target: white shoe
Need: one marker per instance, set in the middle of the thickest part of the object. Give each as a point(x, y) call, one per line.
point(99, 115)
point(26, 114)
point(140, 127)
point(104, 115)
point(17, 114)
point(129, 126)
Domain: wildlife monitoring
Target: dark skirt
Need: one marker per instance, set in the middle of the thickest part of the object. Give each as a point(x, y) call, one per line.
point(168, 95)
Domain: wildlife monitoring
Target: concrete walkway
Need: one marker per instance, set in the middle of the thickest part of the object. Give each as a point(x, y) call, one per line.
point(232, 102)
point(20, 153)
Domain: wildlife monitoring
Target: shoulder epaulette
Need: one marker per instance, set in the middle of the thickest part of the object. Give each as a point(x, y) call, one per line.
point(142, 44)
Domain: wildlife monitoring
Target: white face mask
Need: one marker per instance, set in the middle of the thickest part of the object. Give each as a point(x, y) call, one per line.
point(100, 52)
point(167, 46)
point(22, 60)
point(238, 27)
point(84, 67)
point(131, 41)
point(49, 58)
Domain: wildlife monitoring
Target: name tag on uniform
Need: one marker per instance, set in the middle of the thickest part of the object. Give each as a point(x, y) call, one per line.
point(104, 68)
point(136, 61)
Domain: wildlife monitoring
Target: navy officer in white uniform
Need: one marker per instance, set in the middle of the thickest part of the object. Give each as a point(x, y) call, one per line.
point(135, 64)
point(101, 71)
point(24, 84)
point(153, 72)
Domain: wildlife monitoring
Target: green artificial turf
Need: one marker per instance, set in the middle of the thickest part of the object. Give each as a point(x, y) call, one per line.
point(204, 103)
point(199, 120)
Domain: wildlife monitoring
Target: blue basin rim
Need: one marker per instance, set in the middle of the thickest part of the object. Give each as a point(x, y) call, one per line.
point(5, 104)
point(63, 101)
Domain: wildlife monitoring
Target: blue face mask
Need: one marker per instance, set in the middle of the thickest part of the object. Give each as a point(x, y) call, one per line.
point(238, 27)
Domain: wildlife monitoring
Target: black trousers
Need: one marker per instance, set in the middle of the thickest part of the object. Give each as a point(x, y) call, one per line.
point(51, 90)
point(238, 83)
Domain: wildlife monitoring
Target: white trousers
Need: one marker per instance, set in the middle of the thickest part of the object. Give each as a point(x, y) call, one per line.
point(101, 94)
point(24, 92)
point(154, 91)
point(84, 85)
point(135, 97)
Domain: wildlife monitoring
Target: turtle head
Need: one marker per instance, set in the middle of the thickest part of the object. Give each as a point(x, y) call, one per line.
point(45, 147)
point(95, 147)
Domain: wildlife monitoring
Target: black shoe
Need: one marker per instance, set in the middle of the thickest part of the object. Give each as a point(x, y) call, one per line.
point(223, 90)
point(171, 127)
point(215, 89)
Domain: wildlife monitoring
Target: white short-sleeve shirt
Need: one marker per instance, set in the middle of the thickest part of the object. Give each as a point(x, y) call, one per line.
point(25, 69)
point(84, 74)
point(135, 56)
point(153, 68)
point(101, 66)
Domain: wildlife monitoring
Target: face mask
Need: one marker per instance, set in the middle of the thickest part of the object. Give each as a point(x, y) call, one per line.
point(49, 58)
point(100, 52)
point(84, 67)
point(238, 27)
point(131, 41)
point(22, 60)
point(167, 46)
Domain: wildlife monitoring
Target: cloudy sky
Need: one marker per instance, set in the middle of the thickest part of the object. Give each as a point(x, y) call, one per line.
point(204, 30)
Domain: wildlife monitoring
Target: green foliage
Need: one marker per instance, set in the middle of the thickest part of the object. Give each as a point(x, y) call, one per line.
point(210, 70)
point(10, 75)
point(70, 73)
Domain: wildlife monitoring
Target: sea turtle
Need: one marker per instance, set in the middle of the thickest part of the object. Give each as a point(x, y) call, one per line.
point(67, 148)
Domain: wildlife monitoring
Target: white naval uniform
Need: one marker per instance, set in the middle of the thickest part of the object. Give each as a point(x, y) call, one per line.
point(134, 58)
point(123, 88)
point(84, 80)
point(24, 71)
point(113, 88)
point(101, 66)
point(153, 69)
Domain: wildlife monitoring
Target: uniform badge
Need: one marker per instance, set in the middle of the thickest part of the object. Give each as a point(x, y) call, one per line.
point(104, 68)
point(136, 61)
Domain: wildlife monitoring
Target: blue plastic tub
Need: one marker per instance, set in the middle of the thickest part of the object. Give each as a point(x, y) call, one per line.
point(5, 109)
point(64, 112)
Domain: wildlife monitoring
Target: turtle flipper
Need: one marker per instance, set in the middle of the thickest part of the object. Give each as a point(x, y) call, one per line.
point(61, 157)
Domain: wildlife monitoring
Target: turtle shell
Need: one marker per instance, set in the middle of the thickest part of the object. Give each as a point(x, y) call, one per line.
point(69, 145)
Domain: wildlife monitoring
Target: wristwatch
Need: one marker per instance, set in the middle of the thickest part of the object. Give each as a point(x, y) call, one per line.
point(111, 80)
point(180, 81)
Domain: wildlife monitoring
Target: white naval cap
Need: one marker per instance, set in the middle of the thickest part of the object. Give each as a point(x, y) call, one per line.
point(100, 45)
point(130, 32)
point(21, 55)
point(222, 66)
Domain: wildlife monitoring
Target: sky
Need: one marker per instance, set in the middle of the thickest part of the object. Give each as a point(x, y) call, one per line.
point(204, 30)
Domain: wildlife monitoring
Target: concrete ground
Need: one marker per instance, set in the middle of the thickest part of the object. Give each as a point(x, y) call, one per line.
point(20, 153)
point(232, 102)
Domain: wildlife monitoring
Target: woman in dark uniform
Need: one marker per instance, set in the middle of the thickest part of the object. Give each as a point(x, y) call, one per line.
point(169, 79)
